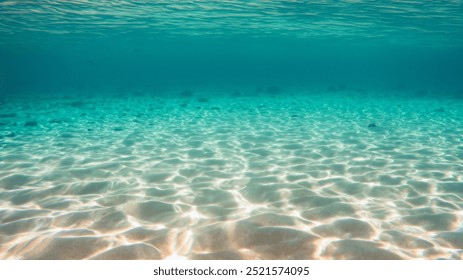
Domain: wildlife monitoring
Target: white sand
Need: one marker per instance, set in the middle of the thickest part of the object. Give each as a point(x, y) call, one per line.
point(248, 177)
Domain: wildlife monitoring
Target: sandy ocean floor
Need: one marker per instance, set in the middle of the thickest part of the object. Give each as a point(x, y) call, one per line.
point(231, 177)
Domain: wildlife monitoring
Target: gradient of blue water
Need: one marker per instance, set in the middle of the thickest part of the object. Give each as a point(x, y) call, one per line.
point(48, 46)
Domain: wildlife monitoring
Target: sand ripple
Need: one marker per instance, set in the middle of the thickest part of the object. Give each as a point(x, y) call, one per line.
point(300, 177)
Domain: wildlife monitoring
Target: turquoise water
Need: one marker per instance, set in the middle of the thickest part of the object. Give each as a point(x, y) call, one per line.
point(231, 129)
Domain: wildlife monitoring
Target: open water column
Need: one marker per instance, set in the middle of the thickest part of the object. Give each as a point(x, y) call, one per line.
point(231, 129)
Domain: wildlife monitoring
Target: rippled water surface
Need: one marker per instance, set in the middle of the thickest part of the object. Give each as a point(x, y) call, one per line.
point(427, 21)
point(231, 129)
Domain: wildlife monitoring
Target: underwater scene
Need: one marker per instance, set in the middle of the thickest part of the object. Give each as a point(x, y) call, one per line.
point(234, 129)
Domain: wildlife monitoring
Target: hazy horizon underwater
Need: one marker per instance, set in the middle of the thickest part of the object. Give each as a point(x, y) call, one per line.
point(231, 129)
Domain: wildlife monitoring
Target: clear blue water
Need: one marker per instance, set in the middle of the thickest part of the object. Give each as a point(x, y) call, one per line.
point(231, 129)
point(54, 45)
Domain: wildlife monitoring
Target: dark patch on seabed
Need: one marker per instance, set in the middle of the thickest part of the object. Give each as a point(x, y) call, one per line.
point(234, 130)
